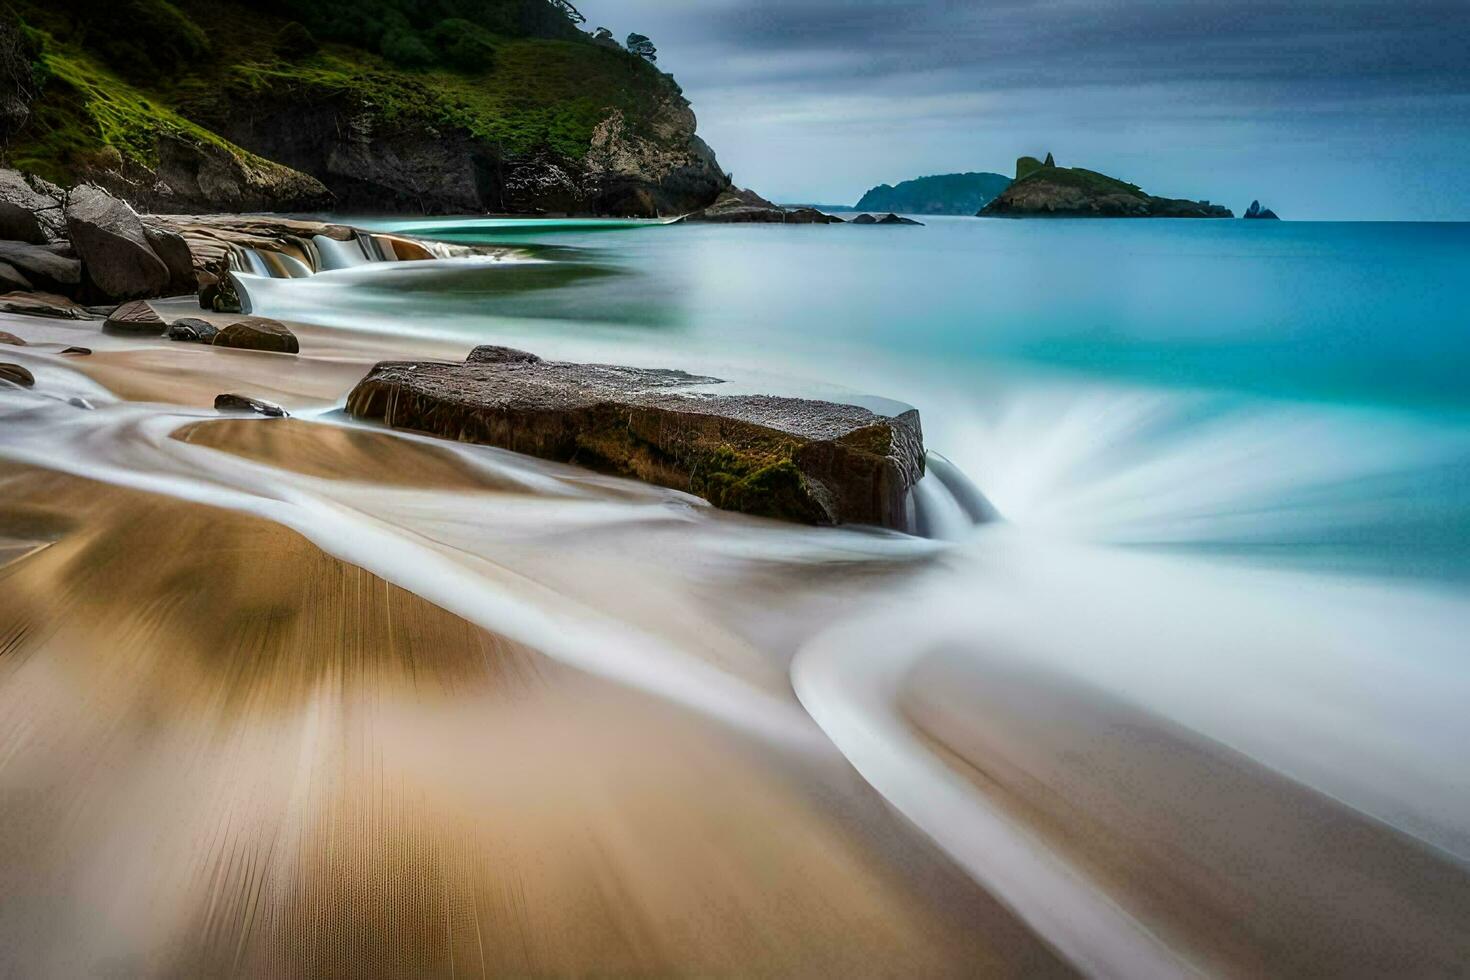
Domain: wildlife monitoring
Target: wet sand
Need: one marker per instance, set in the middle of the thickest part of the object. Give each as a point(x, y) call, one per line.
point(307, 698)
point(224, 752)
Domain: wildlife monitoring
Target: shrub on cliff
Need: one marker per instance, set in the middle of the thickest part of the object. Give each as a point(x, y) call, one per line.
point(140, 39)
point(294, 41)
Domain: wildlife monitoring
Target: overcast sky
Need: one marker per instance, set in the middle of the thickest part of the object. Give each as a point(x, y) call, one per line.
point(1320, 108)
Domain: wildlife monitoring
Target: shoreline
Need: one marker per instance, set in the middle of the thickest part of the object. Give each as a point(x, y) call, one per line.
point(479, 535)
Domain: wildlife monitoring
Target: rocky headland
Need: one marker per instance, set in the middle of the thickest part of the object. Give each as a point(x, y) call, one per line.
point(939, 194)
point(223, 106)
point(1042, 189)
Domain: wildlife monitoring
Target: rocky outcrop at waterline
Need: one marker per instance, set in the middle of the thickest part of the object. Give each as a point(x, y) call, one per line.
point(793, 459)
point(1044, 190)
point(741, 206)
point(1256, 212)
point(887, 219)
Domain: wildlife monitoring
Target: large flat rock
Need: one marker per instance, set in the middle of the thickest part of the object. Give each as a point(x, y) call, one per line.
point(794, 459)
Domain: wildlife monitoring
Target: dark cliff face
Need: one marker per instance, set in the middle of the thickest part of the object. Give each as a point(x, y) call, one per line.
point(1046, 190)
point(516, 111)
point(372, 161)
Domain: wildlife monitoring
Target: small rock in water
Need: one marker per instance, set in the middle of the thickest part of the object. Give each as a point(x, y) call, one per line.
point(17, 375)
point(80, 351)
point(258, 333)
point(191, 329)
point(230, 402)
point(865, 219)
point(12, 339)
point(78, 402)
point(135, 317)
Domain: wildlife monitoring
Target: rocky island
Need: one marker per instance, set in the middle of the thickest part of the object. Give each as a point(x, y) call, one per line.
point(1042, 189)
point(939, 194)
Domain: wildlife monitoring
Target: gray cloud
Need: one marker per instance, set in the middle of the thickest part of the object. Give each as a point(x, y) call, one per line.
point(785, 87)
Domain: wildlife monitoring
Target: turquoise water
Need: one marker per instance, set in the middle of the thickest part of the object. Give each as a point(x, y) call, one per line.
point(1373, 312)
point(1290, 393)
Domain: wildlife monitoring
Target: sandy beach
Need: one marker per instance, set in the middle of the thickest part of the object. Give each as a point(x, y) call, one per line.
point(305, 697)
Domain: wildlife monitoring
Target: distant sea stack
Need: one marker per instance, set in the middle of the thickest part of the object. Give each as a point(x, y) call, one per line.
point(1042, 189)
point(939, 194)
point(1256, 211)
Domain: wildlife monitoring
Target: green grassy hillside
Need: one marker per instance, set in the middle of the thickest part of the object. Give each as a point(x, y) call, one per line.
point(113, 77)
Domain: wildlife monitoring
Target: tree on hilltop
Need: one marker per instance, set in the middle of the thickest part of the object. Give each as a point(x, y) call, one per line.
point(572, 13)
point(640, 45)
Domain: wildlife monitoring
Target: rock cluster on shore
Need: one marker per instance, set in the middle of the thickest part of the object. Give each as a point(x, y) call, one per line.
point(793, 459)
point(68, 250)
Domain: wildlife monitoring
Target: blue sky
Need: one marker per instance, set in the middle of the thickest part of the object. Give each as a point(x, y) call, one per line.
point(1333, 109)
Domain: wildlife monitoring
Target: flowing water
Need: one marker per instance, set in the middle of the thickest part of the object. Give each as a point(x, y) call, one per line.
point(295, 697)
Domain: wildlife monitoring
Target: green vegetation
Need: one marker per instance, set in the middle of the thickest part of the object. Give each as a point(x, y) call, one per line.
point(115, 75)
point(534, 93)
point(91, 117)
point(1026, 166)
point(767, 484)
point(1087, 180)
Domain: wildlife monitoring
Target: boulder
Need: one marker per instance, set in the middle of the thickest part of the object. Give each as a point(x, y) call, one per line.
point(258, 333)
point(30, 209)
point(46, 304)
point(864, 219)
point(11, 279)
point(113, 247)
point(77, 351)
point(135, 317)
point(11, 339)
point(230, 402)
point(174, 251)
point(44, 267)
point(191, 329)
point(788, 458)
point(17, 375)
